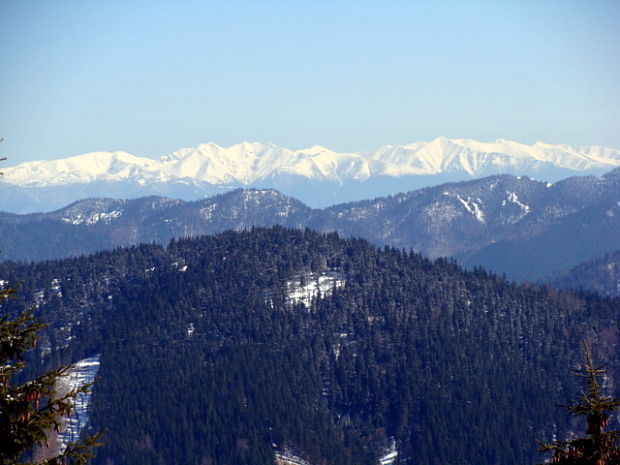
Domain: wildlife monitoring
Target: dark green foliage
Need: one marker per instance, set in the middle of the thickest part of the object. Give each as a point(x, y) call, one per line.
point(29, 412)
point(599, 447)
point(205, 358)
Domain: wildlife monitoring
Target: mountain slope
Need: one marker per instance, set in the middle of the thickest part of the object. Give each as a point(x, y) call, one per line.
point(317, 176)
point(209, 353)
point(579, 237)
point(601, 275)
point(95, 224)
point(514, 225)
point(450, 218)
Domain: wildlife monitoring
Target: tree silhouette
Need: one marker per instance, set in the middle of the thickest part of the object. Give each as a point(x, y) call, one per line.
point(598, 447)
point(29, 412)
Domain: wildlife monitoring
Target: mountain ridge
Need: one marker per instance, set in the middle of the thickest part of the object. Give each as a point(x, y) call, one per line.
point(508, 224)
point(601, 275)
point(317, 175)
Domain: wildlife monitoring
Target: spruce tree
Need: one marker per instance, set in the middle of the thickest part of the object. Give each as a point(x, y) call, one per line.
point(29, 412)
point(598, 447)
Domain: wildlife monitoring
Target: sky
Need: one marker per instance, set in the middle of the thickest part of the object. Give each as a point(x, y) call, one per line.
point(151, 77)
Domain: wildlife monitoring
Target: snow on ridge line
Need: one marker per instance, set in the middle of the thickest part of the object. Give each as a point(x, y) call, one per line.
point(247, 163)
point(93, 218)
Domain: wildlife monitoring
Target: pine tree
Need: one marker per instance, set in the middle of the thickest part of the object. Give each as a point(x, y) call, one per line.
point(598, 447)
point(29, 412)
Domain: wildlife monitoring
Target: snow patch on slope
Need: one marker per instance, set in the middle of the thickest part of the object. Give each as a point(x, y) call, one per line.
point(57, 286)
point(93, 218)
point(308, 286)
point(514, 198)
point(287, 457)
point(83, 372)
point(390, 455)
point(472, 207)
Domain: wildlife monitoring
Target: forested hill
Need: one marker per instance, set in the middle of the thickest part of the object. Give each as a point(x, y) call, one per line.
point(524, 228)
point(601, 275)
point(233, 348)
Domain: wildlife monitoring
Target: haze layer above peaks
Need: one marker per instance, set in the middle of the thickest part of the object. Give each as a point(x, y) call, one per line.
point(316, 175)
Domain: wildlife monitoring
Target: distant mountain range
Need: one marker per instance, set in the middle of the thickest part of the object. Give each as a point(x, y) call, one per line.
point(317, 176)
point(524, 228)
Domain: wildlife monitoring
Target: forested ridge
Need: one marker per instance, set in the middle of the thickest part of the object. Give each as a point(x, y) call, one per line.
point(601, 275)
point(524, 228)
point(207, 358)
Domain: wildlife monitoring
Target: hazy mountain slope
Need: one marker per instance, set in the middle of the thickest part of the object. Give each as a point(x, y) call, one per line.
point(601, 275)
point(209, 352)
point(317, 176)
point(96, 224)
point(447, 219)
point(514, 225)
point(575, 238)
point(460, 218)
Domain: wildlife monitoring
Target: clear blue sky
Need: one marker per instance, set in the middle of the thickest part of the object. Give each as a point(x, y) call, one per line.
point(149, 77)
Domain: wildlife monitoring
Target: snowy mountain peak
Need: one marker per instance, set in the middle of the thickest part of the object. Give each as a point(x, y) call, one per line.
point(315, 150)
point(209, 168)
point(249, 162)
point(88, 167)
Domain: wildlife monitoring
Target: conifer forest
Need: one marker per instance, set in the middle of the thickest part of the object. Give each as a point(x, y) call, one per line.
point(232, 348)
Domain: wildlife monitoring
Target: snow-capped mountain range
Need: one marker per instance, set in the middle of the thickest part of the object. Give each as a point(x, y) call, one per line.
point(191, 173)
